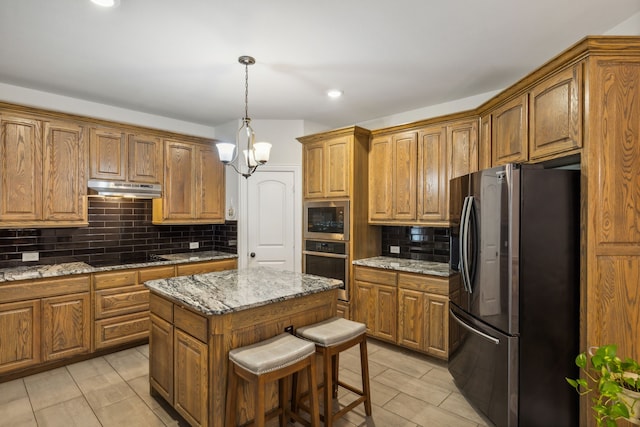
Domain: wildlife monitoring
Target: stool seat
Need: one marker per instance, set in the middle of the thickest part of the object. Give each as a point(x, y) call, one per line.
point(272, 354)
point(332, 331)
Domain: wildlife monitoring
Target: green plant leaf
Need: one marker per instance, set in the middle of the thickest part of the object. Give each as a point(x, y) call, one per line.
point(581, 360)
point(618, 410)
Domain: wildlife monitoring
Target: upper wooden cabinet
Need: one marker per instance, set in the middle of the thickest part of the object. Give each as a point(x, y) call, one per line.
point(327, 166)
point(43, 173)
point(193, 185)
point(116, 156)
point(409, 171)
point(509, 142)
point(555, 114)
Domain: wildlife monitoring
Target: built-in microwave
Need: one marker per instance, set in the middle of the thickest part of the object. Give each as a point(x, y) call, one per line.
point(327, 220)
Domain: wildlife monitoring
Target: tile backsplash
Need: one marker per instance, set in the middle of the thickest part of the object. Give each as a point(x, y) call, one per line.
point(119, 230)
point(420, 243)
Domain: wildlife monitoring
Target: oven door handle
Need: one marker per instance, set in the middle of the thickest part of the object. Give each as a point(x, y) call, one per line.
point(326, 254)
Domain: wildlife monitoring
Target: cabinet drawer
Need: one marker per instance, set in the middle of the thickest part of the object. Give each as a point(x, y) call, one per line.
point(154, 273)
point(33, 289)
point(374, 275)
point(193, 324)
point(114, 279)
point(161, 307)
point(430, 284)
point(205, 267)
point(115, 302)
point(121, 329)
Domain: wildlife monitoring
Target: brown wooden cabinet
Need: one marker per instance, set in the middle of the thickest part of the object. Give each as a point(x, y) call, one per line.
point(376, 302)
point(161, 356)
point(380, 179)
point(555, 114)
point(117, 156)
point(432, 174)
point(43, 172)
point(462, 147)
point(484, 145)
point(411, 318)
point(191, 378)
point(19, 335)
point(327, 166)
point(509, 138)
point(66, 326)
point(193, 185)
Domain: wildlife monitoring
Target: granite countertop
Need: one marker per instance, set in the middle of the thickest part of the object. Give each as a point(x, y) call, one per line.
point(407, 265)
point(234, 290)
point(65, 269)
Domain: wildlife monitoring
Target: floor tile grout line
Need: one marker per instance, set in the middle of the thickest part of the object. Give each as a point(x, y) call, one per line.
point(83, 395)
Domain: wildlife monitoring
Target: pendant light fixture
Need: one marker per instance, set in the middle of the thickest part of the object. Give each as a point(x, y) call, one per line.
point(255, 153)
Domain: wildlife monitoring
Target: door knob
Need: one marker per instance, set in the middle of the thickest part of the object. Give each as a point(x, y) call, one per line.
point(252, 254)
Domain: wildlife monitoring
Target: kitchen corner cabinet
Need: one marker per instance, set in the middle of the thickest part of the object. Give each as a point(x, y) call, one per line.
point(43, 320)
point(411, 310)
point(327, 165)
point(509, 139)
point(193, 185)
point(43, 173)
point(117, 156)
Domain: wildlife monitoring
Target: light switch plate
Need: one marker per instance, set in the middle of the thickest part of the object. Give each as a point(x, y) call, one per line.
point(30, 256)
point(394, 249)
point(194, 245)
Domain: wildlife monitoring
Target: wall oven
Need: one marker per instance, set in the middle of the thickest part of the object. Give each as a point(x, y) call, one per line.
point(328, 259)
point(327, 220)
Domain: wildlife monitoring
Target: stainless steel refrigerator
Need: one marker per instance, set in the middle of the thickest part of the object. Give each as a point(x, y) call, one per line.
point(517, 318)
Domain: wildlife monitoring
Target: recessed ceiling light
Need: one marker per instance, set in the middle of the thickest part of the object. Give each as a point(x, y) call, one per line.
point(106, 3)
point(334, 93)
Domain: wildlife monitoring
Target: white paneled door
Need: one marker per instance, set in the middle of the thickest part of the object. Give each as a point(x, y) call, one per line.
point(270, 219)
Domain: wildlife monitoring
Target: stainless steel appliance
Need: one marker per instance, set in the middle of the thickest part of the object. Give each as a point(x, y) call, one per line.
point(519, 308)
point(125, 189)
point(328, 259)
point(327, 220)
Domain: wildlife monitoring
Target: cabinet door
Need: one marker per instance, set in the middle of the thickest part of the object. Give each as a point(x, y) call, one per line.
point(386, 312)
point(161, 357)
point(179, 180)
point(462, 147)
point(338, 155)
point(65, 326)
point(209, 196)
point(380, 179)
point(411, 314)
point(107, 154)
point(145, 159)
point(405, 167)
point(432, 174)
point(437, 325)
point(365, 305)
point(509, 142)
point(19, 335)
point(21, 169)
point(555, 109)
point(191, 378)
point(313, 164)
point(64, 183)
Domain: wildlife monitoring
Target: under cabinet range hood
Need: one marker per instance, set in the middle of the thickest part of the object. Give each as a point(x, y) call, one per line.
point(125, 189)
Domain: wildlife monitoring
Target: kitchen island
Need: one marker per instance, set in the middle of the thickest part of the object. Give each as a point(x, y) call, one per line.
point(196, 320)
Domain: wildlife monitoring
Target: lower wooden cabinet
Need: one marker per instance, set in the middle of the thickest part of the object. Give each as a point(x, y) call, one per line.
point(66, 329)
point(190, 382)
point(161, 357)
point(19, 335)
point(411, 310)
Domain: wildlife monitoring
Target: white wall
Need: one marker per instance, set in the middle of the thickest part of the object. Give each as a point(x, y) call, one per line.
point(64, 104)
point(628, 27)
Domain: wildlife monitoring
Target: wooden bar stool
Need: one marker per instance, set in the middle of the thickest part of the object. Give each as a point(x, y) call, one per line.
point(331, 337)
point(273, 359)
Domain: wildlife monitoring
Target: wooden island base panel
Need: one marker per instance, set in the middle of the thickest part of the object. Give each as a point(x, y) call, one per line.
point(196, 320)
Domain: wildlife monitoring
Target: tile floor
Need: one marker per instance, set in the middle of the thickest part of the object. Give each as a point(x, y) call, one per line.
point(408, 390)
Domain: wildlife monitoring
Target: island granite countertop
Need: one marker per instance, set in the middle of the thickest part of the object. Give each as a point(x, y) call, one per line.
point(407, 265)
point(54, 270)
point(234, 290)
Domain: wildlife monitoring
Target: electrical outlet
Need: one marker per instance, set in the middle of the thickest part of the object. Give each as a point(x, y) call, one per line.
point(394, 249)
point(289, 329)
point(233, 243)
point(30, 256)
point(194, 245)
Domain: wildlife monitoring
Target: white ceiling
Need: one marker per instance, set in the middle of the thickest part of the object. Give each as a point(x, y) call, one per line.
point(178, 58)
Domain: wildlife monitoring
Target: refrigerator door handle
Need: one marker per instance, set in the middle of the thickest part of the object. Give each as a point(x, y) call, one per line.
point(461, 247)
point(464, 245)
point(473, 330)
